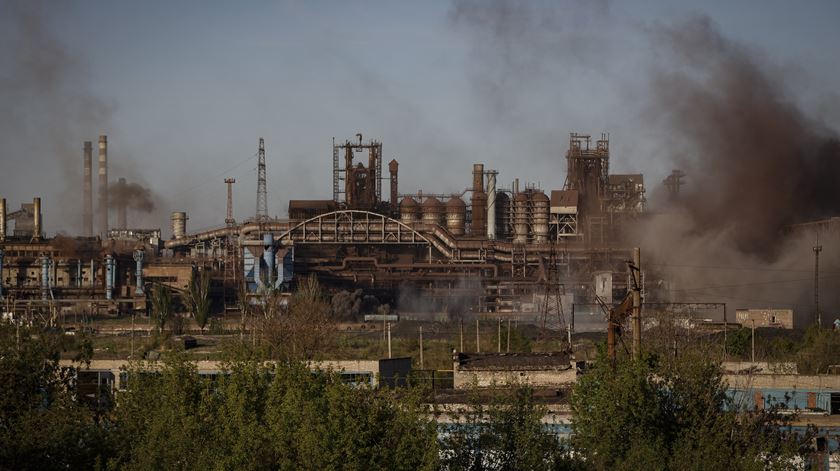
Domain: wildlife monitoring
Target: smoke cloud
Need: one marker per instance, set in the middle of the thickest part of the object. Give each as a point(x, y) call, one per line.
point(47, 111)
point(757, 162)
point(131, 195)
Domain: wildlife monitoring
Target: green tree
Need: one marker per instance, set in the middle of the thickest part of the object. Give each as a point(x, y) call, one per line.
point(300, 327)
point(502, 432)
point(647, 415)
point(161, 300)
point(41, 425)
point(819, 349)
point(198, 297)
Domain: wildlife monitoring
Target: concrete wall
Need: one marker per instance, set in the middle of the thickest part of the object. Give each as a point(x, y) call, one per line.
point(467, 378)
point(780, 318)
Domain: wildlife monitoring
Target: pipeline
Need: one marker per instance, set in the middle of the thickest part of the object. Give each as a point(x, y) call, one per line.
point(412, 266)
point(109, 277)
point(45, 277)
point(138, 274)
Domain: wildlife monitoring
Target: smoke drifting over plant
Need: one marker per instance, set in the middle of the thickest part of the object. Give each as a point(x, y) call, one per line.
point(131, 195)
point(48, 110)
point(756, 161)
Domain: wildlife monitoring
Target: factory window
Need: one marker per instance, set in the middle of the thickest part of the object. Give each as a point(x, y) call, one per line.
point(835, 403)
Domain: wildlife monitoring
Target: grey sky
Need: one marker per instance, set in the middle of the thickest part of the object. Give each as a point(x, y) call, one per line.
point(185, 89)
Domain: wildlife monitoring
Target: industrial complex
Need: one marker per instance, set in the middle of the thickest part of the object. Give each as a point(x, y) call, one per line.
point(488, 249)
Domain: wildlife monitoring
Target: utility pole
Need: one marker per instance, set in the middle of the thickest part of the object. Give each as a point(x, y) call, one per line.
point(817, 314)
point(477, 338)
point(461, 332)
point(389, 340)
point(636, 279)
point(499, 342)
point(262, 197)
point(421, 347)
point(508, 336)
point(752, 356)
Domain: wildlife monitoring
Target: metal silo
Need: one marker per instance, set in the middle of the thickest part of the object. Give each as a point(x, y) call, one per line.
point(432, 211)
point(409, 211)
point(456, 214)
point(540, 205)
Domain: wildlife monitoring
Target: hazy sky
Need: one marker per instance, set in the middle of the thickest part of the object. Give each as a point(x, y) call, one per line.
point(185, 89)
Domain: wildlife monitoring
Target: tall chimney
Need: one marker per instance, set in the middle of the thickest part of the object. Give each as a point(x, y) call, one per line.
point(87, 190)
point(478, 177)
point(103, 185)
point(393, 167)
point(2, 219)
point(491, 204)
point(122, 205)
point(36, 217)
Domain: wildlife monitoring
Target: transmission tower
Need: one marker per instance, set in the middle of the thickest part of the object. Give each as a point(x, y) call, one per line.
point(231, 286)
point(817, 314)
point(262, 197)
point(553, 317)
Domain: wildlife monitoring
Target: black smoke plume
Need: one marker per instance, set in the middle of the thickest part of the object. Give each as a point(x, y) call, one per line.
point(757, 162)
point(131, 195)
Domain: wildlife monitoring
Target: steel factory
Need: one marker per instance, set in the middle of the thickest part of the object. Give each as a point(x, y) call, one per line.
point(519, 249)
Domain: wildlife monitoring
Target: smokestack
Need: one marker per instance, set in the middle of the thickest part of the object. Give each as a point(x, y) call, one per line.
point(2, 219)
point(87, 191)
point(36, 226)
point(103, 185)
point(393, 167)
point(478, 177)
point(479, 203)
point(491, 205)
point(122, 205)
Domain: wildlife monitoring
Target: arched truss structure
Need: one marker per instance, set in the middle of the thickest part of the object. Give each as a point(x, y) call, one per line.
point(352, 227)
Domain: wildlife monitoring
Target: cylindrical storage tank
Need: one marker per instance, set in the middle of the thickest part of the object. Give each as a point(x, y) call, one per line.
point(432, 211)
point(540, 203)
point(479, 214)
point(456, 214)
point(520, 218)
point(36, 226)
point(179, 224)
point(503, 215)
point(409, 211)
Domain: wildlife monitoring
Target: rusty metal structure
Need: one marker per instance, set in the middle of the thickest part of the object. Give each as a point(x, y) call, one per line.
point(528, 252)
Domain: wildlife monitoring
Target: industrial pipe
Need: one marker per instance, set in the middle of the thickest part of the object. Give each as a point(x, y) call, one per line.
point(138, 274)
point(109, 277)
point(36, 226)
point(268, 256)
point(45, 277)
